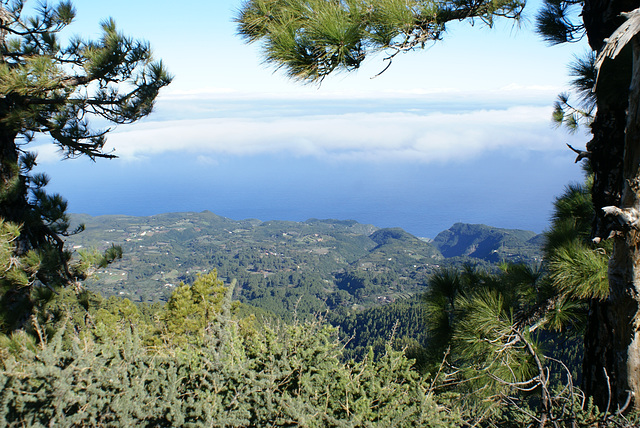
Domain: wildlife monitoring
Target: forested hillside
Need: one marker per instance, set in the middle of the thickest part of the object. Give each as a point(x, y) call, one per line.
point(282, 266)
point(489, 243)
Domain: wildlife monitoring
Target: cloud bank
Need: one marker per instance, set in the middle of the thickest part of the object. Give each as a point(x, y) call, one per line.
point(369, 134)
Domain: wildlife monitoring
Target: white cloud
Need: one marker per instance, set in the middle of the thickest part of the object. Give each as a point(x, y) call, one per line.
point(312, 92)
point(333, 130)
point(369, 136)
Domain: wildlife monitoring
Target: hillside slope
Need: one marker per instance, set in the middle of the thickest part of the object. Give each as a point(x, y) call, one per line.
point(489, 243)
point(283, 266)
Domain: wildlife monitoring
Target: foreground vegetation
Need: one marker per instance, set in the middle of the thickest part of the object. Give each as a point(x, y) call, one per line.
point(202, 360)
point(195, 364)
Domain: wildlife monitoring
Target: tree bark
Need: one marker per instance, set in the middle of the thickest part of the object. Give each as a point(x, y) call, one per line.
point(612, 343)
point(611, 366)
point(624, 282)
point(632, 164)
point(13, 187)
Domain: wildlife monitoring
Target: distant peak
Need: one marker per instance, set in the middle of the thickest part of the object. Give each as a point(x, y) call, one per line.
point(383, 236)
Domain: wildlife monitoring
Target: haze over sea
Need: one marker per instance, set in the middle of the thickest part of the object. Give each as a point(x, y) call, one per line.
point(423, 201)
point(459, 131)
point(503, 170)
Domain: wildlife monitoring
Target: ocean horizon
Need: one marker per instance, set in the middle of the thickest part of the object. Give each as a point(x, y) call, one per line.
point(497, 190)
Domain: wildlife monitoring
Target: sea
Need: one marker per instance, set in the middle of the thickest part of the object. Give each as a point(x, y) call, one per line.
point(496, 189)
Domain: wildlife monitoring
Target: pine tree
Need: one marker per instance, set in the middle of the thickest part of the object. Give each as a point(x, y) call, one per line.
point(192, 308)
point(58, 89)
point(611, 83)
point(313, 38)
point(310, 39)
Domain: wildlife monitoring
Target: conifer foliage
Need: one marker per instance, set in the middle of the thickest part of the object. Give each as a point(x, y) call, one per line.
point(115, 372)
point(312, 38)
point(608, 84)
point(514, 337)
point(58, 87)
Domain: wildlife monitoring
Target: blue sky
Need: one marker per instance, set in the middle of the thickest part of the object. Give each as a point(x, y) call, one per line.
point(457, 132)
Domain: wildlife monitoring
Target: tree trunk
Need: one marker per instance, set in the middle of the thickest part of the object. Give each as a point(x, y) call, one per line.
point(13, 187)
point(612, 343)
point(628, 286)
point(610, 365)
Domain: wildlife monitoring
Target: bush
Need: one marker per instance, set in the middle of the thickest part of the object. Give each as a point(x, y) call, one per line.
point(241, 374)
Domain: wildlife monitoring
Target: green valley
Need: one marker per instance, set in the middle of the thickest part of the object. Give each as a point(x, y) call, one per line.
point(284, 266)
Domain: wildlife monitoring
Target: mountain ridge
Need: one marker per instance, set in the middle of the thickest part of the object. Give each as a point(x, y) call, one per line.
point(488, 243)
